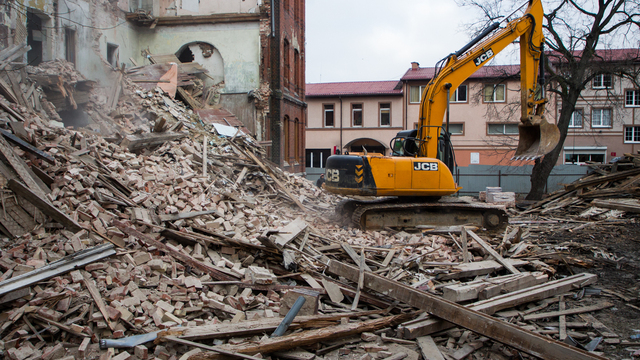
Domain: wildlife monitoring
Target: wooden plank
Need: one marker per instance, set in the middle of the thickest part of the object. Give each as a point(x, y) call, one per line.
point(333, 291)
point(602, 179)
point(431, 325)
point(309, 337)
point(311, 281)
point(578, 310)
point(493, 253)
point(44, 206)
point(509, 286)
point(28, 147)
point(497, 285)
point(193, 344)
point(478, 322)
point(173, 217)
point(429, 348)
point(600, 327)
point(353, 255)
point(562, 321)
point(20, 167)
point(473, 269)
point(95, 294)
point(617, 205)
point(354, 305)
point(289, 232)
point(137, 142)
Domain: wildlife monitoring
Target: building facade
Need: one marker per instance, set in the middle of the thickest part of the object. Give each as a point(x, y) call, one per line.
point(253, 51)
point(351, 118)
point(605, 123)
point(484, 113)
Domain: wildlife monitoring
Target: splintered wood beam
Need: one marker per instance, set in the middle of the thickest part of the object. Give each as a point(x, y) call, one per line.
point(137, 142)
point(308, 337)
point(20, 167)
point(28, 147)
point(95, 294)
point(578, 310)
point(493, 253)
point(44, 206)
point(478, 322)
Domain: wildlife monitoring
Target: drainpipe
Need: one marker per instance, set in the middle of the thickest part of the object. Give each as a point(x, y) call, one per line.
point(273, 25)
point(340, 97)
point(406, 105)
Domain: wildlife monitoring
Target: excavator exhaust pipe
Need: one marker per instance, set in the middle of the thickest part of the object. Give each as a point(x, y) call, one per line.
point(537, 139)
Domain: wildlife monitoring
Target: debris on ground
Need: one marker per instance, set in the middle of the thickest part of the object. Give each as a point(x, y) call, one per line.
point(151, 233)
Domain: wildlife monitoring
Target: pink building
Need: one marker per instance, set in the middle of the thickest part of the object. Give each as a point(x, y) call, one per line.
point(483, 117)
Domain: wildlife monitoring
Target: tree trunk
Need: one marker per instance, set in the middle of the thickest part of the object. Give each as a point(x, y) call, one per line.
point(540, 174)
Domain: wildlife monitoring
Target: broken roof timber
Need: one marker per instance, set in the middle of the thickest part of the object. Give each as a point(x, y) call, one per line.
point(480, 323)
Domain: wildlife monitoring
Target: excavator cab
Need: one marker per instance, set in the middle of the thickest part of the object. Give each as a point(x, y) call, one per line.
point(404, 144)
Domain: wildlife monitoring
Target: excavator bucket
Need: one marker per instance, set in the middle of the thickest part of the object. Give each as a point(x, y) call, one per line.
point(536, 139)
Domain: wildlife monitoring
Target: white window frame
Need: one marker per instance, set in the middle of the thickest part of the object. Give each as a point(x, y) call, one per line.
point(353, 114)
point(493, 98)
point(634, 96)
point(380, 109)
point(584, 150)
point(324, 115)
point(455, 124)
point(420, 89)
point(456, 94)
point(572, 122)
point(634, 133)
point(504, 129)
point(599, 81)
point(600, 115)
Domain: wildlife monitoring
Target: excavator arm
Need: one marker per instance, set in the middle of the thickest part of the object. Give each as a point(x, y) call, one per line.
point(537, 136)
point(415, 176)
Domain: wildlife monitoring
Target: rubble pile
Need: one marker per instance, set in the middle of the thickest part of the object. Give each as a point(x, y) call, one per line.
point(173, 241)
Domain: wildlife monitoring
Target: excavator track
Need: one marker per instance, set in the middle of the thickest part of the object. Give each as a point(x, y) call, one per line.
point(381, 213)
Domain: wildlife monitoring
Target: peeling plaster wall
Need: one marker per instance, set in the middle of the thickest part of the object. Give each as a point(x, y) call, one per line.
point(238, 44)
point(96, 23)
point(213, 63)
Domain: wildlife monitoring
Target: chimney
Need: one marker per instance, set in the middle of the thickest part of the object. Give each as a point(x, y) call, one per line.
point(415, 66)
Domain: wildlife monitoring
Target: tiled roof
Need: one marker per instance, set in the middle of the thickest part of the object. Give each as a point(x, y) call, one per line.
point(362, 88)
point(488, 71)
point(604, 55)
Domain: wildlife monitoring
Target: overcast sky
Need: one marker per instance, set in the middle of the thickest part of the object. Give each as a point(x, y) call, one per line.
point(371, 40)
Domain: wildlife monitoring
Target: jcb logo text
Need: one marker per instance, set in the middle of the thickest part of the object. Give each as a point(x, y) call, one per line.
point(425, 166)
point(484, 57)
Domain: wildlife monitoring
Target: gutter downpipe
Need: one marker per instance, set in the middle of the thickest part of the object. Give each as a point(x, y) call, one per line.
point(340, 97)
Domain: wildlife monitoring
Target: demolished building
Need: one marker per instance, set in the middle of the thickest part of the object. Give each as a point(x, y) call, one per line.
point(251, 54)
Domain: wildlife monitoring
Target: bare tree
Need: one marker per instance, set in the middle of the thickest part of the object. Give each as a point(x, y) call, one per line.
point(580, 35)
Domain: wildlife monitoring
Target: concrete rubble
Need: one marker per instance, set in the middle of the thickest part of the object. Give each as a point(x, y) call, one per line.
point(149, 233)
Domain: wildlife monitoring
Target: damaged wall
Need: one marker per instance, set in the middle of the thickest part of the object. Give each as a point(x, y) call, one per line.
point(238, 45)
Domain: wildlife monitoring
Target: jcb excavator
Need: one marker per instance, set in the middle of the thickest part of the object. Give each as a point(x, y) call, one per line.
point(419, 172)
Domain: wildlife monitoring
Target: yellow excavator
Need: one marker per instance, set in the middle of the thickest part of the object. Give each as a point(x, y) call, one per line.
point(418, 175)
